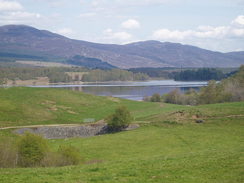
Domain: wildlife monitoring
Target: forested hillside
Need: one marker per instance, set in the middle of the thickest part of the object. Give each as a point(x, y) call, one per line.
point(114, 75)
point(66, 75)
point(204, 74)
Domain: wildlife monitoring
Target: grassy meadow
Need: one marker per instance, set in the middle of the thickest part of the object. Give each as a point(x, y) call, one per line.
point(168, 147)
point(37, 106)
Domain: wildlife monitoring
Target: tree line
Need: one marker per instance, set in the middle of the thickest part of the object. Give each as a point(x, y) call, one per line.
point(185, 74)
point(113, 75)
point(202, 74)
point(60, 74)
point(55, 74)
point(165, 73)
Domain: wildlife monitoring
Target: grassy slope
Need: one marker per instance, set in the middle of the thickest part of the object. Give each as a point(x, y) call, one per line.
point(33, 106)
point(160, 151)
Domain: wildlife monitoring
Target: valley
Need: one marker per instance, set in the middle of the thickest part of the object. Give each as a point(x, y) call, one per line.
point(168, 145)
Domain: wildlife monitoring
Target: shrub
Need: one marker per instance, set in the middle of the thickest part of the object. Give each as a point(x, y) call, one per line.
point(68, 155)
point(31, 150)
point(51, 159)
point(146, 99)
point(120, 119)
point(8, 154)
point(155, 98)
point(173, 97)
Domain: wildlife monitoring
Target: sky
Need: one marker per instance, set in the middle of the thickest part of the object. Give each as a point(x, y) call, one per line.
point(216, 25)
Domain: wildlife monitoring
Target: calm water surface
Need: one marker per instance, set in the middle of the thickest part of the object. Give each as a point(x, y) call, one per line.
point(132, 90)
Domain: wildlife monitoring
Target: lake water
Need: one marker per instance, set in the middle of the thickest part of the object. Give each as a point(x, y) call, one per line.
point(132, 90)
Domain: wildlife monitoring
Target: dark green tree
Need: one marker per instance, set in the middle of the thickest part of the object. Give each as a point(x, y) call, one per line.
point(120, 119)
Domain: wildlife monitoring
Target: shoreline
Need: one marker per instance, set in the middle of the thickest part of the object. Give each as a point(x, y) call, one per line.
point(71, 83)
point(114, 83)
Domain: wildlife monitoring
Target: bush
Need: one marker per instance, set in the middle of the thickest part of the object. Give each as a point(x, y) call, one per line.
point(175, 97)
point(120, 119)
point(146, 99)
point(31, 150)
point(155, 98)
point(68, 155)
point(8, 154)
point(172, 97)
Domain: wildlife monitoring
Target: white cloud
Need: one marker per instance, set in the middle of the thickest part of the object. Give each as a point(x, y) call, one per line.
point(202, 32)
point(19, 17)
point(238, 32)
point(239, 20)
point(116, 6)
point(122, 36)
point(23, 14)
point(112, 36)
point(12, 12)
point(55, 3)
point(65, 31)
point(108, 31)
point(10, 6)
point(130, 24)
point(166, 34)
point(95, 3)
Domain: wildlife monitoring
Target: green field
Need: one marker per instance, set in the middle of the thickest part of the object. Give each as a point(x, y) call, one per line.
point(168, 147)
point(34, 106)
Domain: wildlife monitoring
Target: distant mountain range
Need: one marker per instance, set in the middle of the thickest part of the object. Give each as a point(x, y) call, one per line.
point(25, 42)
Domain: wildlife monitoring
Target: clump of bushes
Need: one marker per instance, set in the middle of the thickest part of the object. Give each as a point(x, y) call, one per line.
point(176, 97)
point(32, 151)
point(154, 98)
point(66, 155)
point(120, 119)
point(69, 155)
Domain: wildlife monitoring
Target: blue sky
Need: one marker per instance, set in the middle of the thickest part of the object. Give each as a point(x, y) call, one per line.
point(212, 24)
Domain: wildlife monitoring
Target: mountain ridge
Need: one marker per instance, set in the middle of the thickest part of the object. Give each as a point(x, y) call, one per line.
point(22, 39)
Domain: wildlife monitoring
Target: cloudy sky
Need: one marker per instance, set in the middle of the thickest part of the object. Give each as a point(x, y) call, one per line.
point(212, 24)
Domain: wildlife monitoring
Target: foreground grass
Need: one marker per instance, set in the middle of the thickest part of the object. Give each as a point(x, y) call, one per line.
point(211, 152)
point(168, 147)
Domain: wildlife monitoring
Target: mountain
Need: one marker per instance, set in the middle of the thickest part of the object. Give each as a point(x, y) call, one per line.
point(238, 55)
point(25, 42)
point(92, 63)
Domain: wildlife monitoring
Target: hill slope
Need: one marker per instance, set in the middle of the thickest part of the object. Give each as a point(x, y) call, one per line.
point(35, 106)
point(20, 41)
